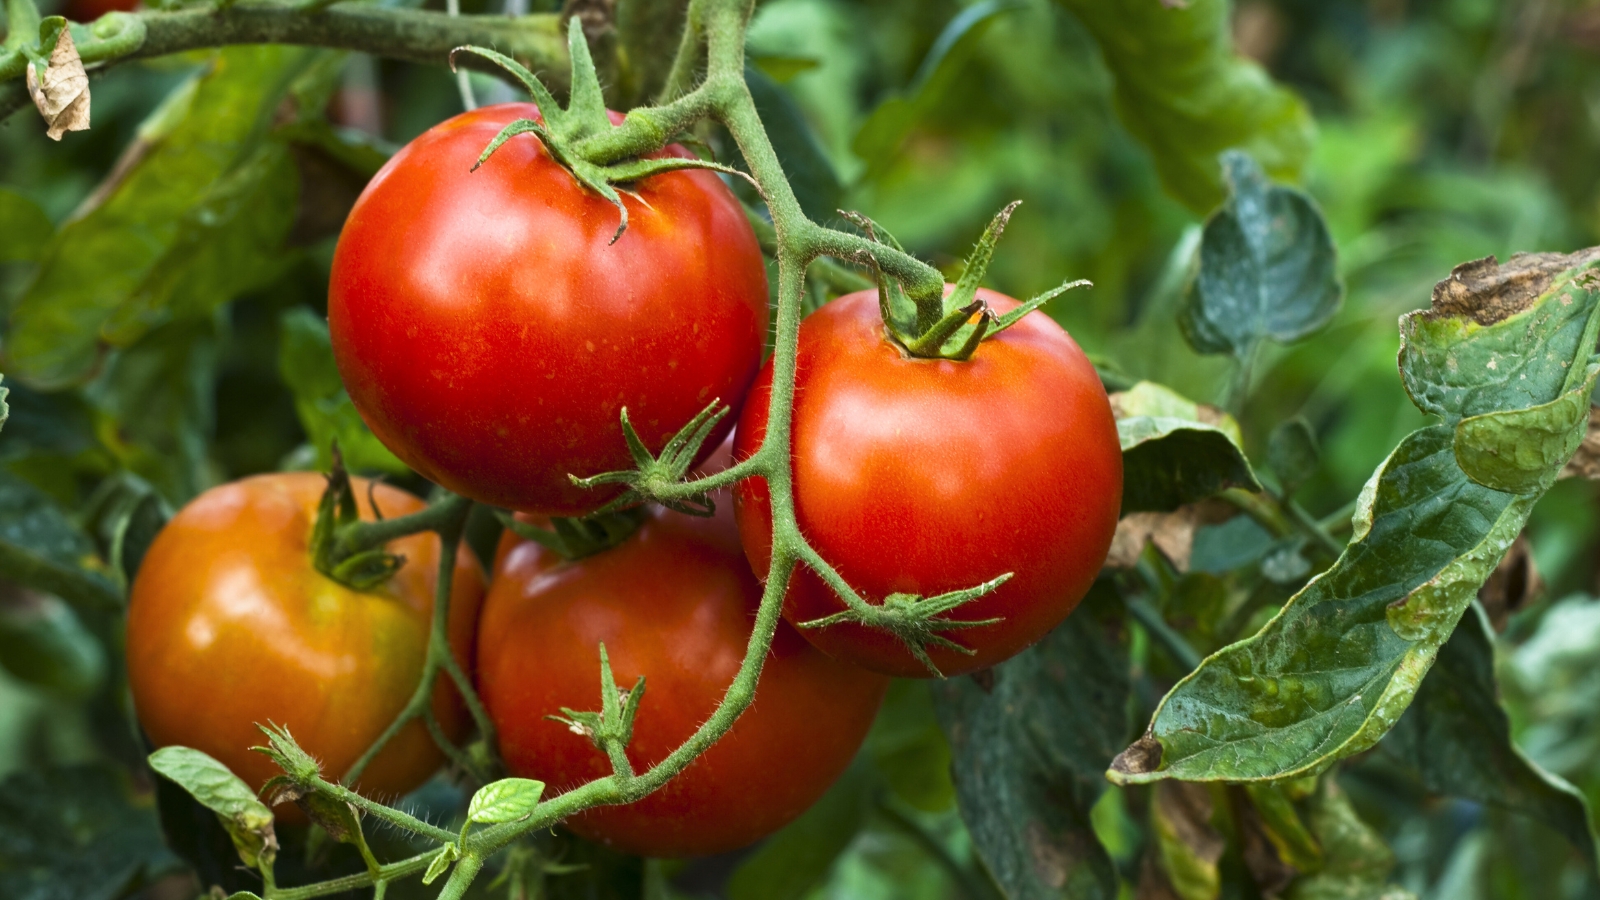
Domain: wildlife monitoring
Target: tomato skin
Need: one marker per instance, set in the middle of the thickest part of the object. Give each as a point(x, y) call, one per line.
point(674, 603)
point(490, 333)
point(90, 10)
point(229, 625)
point(926, 476)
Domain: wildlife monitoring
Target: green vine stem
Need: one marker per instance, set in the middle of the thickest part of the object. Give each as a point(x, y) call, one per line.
point(448, 518)
point(716, 27)
point(410, 35)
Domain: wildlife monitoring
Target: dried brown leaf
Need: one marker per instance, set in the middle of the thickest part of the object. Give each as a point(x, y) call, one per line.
point(62, 95)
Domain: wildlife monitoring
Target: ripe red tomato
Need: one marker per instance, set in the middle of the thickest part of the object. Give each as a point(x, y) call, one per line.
point(925, 476)
point(489, 332)
point(673, 603)
point(229, 625)
point(90, 10)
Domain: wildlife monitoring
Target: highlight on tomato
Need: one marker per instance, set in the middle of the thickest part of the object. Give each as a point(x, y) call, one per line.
point(490, 332)
point(230, 625)
point(923, 476)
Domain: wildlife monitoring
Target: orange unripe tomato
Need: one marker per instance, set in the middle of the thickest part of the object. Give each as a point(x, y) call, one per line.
point(229, 625)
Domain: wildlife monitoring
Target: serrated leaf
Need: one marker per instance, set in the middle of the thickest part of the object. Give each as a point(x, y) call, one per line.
point(1028, 752)
point(247, 819)
point(1457, 738)
point(305, 362)
point(76, 833)
point(1187, 96)
point(155, 221)
point(1175, 451)
point(506, 800)
point(1267, 268)
point(42, 549)
point(1333, 671)
point(25, 225)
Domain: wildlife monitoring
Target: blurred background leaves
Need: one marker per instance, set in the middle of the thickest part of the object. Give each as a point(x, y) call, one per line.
point(161, 277)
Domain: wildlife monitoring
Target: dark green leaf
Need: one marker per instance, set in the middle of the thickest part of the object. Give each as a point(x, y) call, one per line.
point(796, 859)
point(76, 833)
point(1267, 268)
point(804, 161)
point(1335, 669)
point(1029, 748)
point(175, 220)
point(909, 749)
point(40, 548)
point(305, 361)
point(1292, 453)
point(248, 820)
point(1457, 738)
point(161, 393)
point(1175, 451)
point(1187, 96)
point(42, 642)
point(57, 423)
point(26, 227)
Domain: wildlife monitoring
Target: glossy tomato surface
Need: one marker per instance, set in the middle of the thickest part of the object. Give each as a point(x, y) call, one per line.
point(490, 333)
point(229, 625)
point(674, 603)
point(925, 476)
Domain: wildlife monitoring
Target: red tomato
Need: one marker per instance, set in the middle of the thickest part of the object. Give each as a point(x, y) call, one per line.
point(673, 603)
point(89, 10)
point(229, 625)
point(489, 332)
point(925, 476)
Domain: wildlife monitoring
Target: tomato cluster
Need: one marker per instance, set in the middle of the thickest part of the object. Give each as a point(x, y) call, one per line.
point(489, 331)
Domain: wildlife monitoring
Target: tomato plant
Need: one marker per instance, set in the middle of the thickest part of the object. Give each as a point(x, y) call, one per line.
point(229, 625)
point(1318, 633)
point(922, 476)
point(672, 604)
point(490, 331)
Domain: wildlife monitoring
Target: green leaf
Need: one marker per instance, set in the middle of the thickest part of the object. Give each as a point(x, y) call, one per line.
point(1457, 738)
point(1357, 862)
point(247, 819)
point(909, 749)
point(42, 549)
point(793, 861)
point(1175, 451)
point(42, 642)
point(506, 800)
point(175, 225)
point(1187, 96)
point(76, 833)
point(305, 362)
point(1292, 453)
point(448, 854)
point(1029, 749)
point(1333, 671)
point(57, 424)
point(25, 225)
point(1267, 268)
point(878, 140)
point(1187, 846)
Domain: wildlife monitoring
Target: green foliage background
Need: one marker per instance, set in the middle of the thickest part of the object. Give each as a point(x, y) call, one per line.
point(163, 341)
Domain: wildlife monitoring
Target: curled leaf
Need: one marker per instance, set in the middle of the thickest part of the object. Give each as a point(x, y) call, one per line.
point(62, 92)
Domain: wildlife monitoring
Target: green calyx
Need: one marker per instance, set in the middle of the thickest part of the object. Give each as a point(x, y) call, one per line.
point(364, 569)
point(653, 476)
point(577, 538)
point(953, 325)
point(612, 727)
point(568, 133)
point(915, 621)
